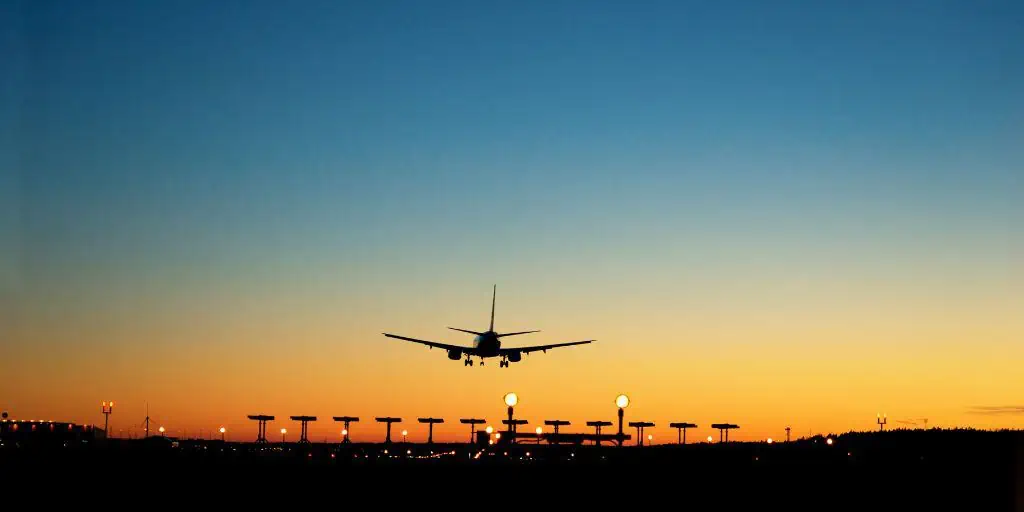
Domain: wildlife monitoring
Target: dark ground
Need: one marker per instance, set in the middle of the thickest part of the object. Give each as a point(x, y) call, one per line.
point(898, 470)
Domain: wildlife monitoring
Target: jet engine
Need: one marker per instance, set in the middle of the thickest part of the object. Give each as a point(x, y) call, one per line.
point(515, 357)
point(454, 355)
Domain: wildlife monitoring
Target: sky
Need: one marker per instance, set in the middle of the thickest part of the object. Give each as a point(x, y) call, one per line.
point(766, 213)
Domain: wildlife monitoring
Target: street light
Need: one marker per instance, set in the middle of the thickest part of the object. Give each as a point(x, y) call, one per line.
point(405, 434)
point(222, 432)
point(489, 430)
point(283, 432)
point(650, 437)
point(710, 439)
point(621, 401)
point(770, 440)
point(108, 407)
point(511, 399)
point(161, 430)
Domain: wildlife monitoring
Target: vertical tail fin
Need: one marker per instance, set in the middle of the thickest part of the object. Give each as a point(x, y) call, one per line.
point(494, 298)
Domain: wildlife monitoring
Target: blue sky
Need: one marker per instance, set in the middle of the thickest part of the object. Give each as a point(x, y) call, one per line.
point(498, 141)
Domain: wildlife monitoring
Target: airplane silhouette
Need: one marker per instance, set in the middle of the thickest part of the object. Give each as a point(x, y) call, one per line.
point(488, 344)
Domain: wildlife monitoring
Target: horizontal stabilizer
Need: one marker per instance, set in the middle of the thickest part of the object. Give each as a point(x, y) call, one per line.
point(515, 333)
point(466, 331)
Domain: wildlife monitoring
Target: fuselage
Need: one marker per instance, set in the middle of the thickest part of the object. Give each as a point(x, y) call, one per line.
point(487, 344)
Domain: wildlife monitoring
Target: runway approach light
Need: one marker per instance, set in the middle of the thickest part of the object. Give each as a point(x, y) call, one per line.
point(622, 401)
point(828, 441)
point(511, 399)
point(489, 430)
point(770, 440)
point(539, 430)
point(344, 432)
point(710, 439)
point(223, 430)
point(162, 430)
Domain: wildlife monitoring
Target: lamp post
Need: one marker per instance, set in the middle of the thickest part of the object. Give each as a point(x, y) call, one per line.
point(223, 431)
point(283, 432)
point(405, 435)
point(108, 407)
point(511, 399)
point(621, 401)
point(161, 430)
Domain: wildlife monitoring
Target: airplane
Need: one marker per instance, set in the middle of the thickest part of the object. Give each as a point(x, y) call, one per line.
point(488, 344)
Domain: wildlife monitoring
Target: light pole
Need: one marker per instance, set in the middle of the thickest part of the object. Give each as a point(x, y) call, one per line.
point(511, 399)
point(108, 407)
point(787, 434)
point(223, 431)
point(283, 432)
point(405, 435)
point(881, 420)
point(161, 430)
point(621, 401)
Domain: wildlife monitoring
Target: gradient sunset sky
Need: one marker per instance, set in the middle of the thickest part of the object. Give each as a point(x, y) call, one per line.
point(767, 213)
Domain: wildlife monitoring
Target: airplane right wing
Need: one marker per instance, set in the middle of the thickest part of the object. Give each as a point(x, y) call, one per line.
point(543, 348)
point(432, 344)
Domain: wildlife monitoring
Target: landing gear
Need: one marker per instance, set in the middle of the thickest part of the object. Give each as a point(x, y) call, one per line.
point(467, 362)
point(503, 363)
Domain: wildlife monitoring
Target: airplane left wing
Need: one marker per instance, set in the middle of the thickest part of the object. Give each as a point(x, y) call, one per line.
point(465, 350)
point(543, 348)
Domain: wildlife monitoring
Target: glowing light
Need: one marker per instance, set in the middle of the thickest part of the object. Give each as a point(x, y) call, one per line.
point(344, 432)
point(828, 441)
point(650, 437)
point(405, 432)
point(489, 429)
point(527, 454)
point(162, 430)
point(408, 452)
point(622, 401)
point(539, 430)
point(223, 430)
point(498, 435)
point(284, 431)
point(770, 440)
point(511, 399)
point(709, 439)
point(490, 441)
